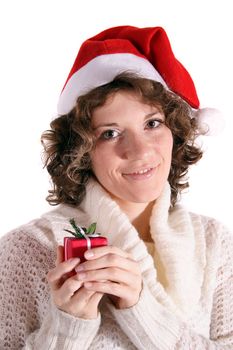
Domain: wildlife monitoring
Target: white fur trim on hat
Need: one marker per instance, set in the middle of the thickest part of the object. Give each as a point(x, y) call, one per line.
point(210, 120)
point(101, 70)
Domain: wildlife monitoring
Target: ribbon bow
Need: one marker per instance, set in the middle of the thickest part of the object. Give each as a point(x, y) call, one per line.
point(83, 232)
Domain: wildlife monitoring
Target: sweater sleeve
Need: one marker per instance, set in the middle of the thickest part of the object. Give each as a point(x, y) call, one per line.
point(29, 320)
point(61, 331)
point(150, 325)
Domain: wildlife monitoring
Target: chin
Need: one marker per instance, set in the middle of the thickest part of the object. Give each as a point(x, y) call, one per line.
point(142, 197)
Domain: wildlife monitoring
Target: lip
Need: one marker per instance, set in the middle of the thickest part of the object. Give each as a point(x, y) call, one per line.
point(136, 175)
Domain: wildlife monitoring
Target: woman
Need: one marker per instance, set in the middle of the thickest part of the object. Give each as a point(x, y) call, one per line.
point(118, 154)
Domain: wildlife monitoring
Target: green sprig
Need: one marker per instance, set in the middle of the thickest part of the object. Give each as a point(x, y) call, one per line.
point(78, 230)
point(91, 229)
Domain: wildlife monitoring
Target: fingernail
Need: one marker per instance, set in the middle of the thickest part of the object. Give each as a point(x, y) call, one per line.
point(89, 254)
point(76, 260)
point(79, 268)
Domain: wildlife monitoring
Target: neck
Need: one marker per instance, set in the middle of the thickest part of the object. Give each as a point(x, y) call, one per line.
point(139, 215)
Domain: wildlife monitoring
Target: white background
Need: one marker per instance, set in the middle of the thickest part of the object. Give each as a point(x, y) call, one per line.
point(39, 41)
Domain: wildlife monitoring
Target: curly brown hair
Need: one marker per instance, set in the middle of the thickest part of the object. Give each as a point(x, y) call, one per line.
point(68, 144)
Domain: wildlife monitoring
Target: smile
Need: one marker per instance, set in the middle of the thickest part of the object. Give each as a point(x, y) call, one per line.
point(144, 171)
point(142, 174)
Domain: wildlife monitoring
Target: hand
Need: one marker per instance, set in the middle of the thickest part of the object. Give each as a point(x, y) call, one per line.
point(112, 271)
point(68, 293)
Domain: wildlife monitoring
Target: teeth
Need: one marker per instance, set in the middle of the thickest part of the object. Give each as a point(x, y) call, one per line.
point(139, 172)
point(142, 171)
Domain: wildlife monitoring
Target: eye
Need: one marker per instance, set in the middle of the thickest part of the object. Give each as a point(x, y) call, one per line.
point(154, 123)
point(109, 134)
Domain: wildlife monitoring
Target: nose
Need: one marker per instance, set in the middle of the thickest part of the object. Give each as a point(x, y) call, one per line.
point(137, 147)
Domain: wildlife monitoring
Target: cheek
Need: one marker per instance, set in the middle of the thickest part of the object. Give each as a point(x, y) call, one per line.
point(101, 159)
point(95, 162)
point(167, 145)
point(170, 146)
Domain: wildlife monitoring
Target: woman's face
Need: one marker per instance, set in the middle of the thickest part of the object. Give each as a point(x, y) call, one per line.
point(132, 157)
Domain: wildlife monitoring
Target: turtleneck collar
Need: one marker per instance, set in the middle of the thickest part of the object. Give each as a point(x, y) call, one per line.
point(172, 231)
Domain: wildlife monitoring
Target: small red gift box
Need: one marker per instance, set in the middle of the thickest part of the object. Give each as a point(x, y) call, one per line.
point(75, 247)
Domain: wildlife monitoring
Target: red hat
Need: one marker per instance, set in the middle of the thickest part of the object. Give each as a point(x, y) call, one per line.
point(145, 51)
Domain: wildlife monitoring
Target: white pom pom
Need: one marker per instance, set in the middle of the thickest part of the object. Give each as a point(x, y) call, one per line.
point(210, 121)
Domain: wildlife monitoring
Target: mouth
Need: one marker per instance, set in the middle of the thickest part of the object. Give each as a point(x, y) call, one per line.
point(141, 174)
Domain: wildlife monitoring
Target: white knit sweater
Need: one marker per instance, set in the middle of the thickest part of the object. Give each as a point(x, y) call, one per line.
point(195, 311)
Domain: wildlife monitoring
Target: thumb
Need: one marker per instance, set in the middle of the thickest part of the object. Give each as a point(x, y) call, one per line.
point(60, 254)
point(95, 299)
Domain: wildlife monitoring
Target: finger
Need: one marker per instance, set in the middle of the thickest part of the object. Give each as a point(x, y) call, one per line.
point(113, 274)
point(122, 295)
point(116, 289)
point(75, 303)
point(84, 302)
point(82, 297)
point(95, 299)
point(110, 260)
point(60, 254)
point(101, 251)
point(55, 275)
point(67, 291)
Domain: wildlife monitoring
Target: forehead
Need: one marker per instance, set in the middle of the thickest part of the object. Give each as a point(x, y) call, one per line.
point(122, 101)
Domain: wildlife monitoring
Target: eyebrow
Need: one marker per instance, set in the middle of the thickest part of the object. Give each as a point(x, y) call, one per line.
point(115, 124)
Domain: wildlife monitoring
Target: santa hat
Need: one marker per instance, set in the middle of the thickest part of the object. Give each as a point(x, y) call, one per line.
point(144, 51)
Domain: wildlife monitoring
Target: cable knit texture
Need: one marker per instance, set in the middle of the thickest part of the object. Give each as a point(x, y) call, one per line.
point(193, 310)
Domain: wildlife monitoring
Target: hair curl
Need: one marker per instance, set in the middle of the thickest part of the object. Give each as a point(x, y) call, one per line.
point(69, 141)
